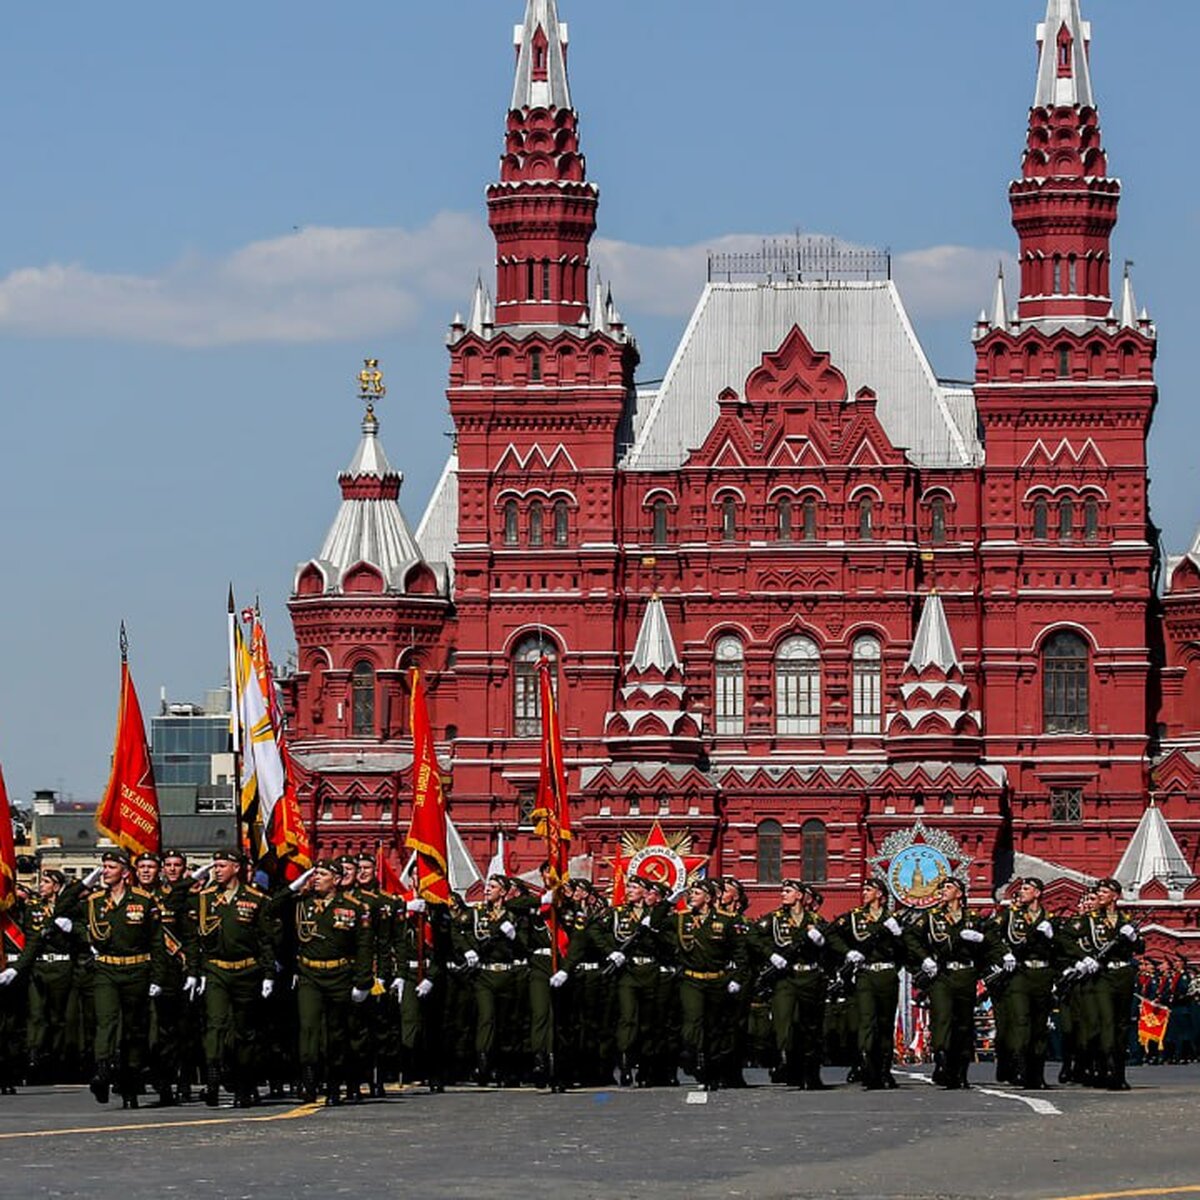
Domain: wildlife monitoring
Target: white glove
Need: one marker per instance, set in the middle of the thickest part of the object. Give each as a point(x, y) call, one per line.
point(1088, 965)
point(929, 967)
point(558, 979)
point(397, 987)
point(268, 986)
point(190, 984)
point(1128, 931)
point(200, 872)
point(299, 882)
point(415, 906)
point(733, 987)
point(856, 958)
point(1045, 929)
point(548, 897)
point(64, 923)
point(779, 962)
point(1009, 962)
point(7, 976)
point(424, 988)
point(971, 935)
point(155, 991)
point(358, 995)
point(92, 877)
point(892, 926)
point(646, 921)
point(617, 958)
point(818, 938)
point(202, 986)
point(508, 929)
point(471, 958)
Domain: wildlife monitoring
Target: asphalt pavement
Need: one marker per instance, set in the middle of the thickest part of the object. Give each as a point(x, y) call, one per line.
point(761, 1142)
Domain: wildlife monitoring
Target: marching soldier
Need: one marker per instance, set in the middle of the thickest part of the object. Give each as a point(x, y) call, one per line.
point(712, 957)
point(1077, 1039)
point(791, 940)
point(180, 1028)
point(231, 964)
point(588, 1016)
point(1105, 947)
point(1027, 940)
point(333, 933)
point(490, 947)
point(419, 935)
point(541, 918)
point(125, 928)
point(735, 1017)
point(367, 1020)
point(951, 944)
point(13, 991)
point(871, 942)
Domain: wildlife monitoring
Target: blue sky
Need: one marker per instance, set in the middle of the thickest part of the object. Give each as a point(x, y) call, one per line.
point(212, 213)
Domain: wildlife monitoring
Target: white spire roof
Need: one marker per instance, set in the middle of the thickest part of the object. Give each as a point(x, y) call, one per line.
point(655, 647)
point(541, 60)
point(370, 458)
point(1000, 304)
point(1153, 853)
point(933, 645)
point(1071, 83)
point(1129, 311)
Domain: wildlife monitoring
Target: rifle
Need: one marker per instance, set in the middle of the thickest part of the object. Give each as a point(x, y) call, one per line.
point(611, 968)
point(1073, 975)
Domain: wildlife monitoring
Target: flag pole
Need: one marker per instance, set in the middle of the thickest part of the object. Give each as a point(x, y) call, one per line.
point(235, 721)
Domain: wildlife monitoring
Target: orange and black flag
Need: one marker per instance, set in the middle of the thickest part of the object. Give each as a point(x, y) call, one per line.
point(427, 832)
point(128, 814)
point(551, 815)
point(12, 936)
point(1152, 1022)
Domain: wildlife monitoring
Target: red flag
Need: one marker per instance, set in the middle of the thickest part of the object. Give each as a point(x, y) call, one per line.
point(1152, 1022)
point(128, 814)
point(427, 831)
point(385, 874)
point(551, 815)
point(8, 852)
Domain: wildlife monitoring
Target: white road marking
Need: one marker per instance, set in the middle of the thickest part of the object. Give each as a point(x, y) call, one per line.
point(697, 1098)
point(1044, 1107)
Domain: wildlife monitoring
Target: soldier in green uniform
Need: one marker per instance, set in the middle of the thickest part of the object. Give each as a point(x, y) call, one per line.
point(125, 929)
point(1077, 1036)
point(791, 942)
point(1027, 941)
point(13, 991)
point(181, 1052)
point(54, 940)
point(870, 941)
point(712, 960)
point(231, 963)
point(540, 916)
point(333, 932)
point(582, 1008)
point(952, 945)
point(1106, 945)
point(734, 1021)
point(416, 958)
point(367, 1020)
point(490, 947)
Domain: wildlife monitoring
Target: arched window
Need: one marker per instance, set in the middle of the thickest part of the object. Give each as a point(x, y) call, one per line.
point(527, 696)
point(728, 519)
point(867, 678)
point(814, 852)
point(658, 518)
point(798, 687)
point(1066, 518)
point(1041, 519)
point(809, 507)
point(783, 518)
point(770, 852)
point(1091, 519)
point(362, 700)
point(1065, 684)
point(537, 523)
point(1064, 362)
point(511, 533)
point(535, 365)
point(730, 691)
point(937, 520)
point(560, 523)
point(866, 518)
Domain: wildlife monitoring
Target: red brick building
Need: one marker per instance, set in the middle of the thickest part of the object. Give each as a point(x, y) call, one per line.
point(800, 595)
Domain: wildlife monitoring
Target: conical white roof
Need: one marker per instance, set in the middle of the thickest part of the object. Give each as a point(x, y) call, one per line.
point(1072, 85)
point(1152, 853)
point(655, 647)
point(548, 87)
point(933, 645)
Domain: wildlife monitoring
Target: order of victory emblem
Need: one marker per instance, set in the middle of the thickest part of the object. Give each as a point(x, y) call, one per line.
point(660, 858)
point(915, 861)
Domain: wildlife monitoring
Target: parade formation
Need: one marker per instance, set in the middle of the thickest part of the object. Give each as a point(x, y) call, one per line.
point(195, 983)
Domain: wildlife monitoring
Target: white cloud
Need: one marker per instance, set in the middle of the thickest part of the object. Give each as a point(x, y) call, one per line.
point(328, 284)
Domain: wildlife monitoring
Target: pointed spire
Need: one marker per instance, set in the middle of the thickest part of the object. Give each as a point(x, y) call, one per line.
point(541, 42)
point(370, 458)
point(655, 646)
point(1152, 853)
point(933, 646)
point(1000, 304)
point(1129, 312)
point(475, 321)
point(1064, 76)
point(599, 308)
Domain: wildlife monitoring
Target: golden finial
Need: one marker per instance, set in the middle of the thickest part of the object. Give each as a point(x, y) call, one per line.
point(370, 383)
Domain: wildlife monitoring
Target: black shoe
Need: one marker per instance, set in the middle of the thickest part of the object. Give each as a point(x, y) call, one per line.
point(166, 1098)
point(353, 1094)
point(333, 1097)
point(308, 1086)
point(889, 1082)
point(378, 1091)
point(129, 1101)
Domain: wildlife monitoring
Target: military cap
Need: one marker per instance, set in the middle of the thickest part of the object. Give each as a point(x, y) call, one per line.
point(640, 880)
point(55, 874)
point(228, 855)
point(332, 865)
point(1032, 881)
point(660, 886)
point(147, 856)
point(346, 860)
point(502, 880)
point(364, 857)
point(1113, 885)
point(795, 884)
point(875, 882)
point(173, 853)
point(118, 856)
point(709, 886)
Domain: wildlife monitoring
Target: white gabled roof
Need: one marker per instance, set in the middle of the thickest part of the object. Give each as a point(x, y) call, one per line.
point(1152, 853)
point(554, 91)
point(1053, 90)
point(437, 534)
point(655, 647)
point(861, 325)
point(933, 646)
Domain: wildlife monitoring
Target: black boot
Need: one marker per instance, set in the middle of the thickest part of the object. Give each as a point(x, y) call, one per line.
point(940, 1075)
point(483, 1070)
point(333, 1094)
point(1035, 1075)
point(212, 1085)
point(625, 1070)
point(1066, 1073)
point(101, 1081)
point(166, 1096)
point(1116, 1073)
point(308, 1085)
point(541, 1071)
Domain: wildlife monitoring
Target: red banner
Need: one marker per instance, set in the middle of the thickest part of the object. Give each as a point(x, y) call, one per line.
point(1152, 1022)
point(128, 814)
point(551, 814)
point(8, 852)
point(427, 832)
